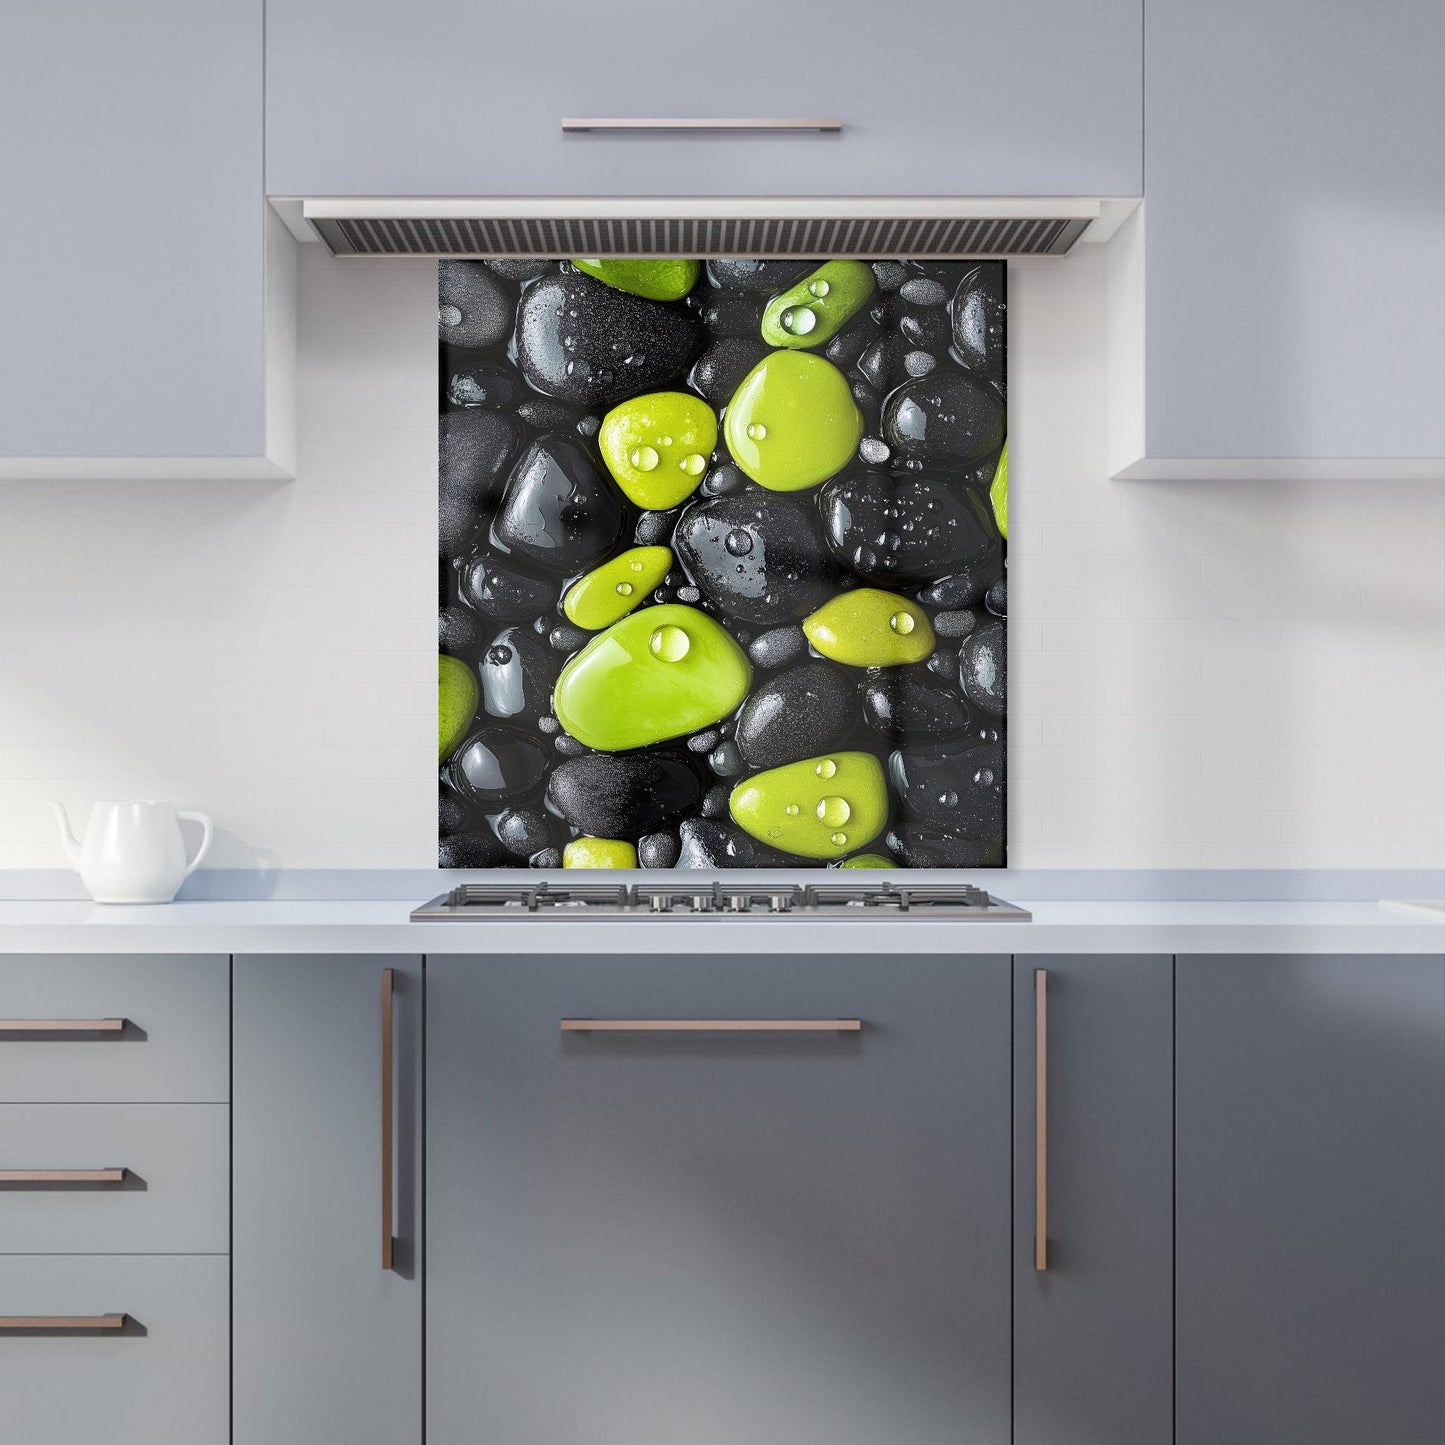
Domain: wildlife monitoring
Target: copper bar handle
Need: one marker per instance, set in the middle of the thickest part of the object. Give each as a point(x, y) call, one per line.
point(63, 1176)
point(86, 1028)
point(388, 1118)
point(76, 1323)
point(702, 125)
point(711, 1026)
point(1041, 1119)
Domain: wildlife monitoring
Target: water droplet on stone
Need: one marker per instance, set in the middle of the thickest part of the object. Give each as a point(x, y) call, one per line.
point(624, 589)
point(984, 777)
point(834, 811)
point(670, 643)
point(693, 463)
point(775, 832)
point(865, 558)
point(739, 542)
point(643, 458)
point(827, 768)
point(818, 288)
point(449, 315)
point(756, 431)
point(948, 799)
point(798, 320)
point(838, 839)
point(902, 623)
point(791, 810)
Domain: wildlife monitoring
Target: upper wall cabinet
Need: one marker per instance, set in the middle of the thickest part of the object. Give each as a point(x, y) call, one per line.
point(936, 97)
point(137, 269)
point(1293, 260)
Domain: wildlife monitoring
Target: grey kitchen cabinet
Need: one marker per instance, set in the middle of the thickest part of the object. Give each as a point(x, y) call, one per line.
point(326, 1340)
point(1093, 1358)
point(1293, 258)
point(1310, 1192)
point(146, 301)
point(449, 98)
point(640, 1237)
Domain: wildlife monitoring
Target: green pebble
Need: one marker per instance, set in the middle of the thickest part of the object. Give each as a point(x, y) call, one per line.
point(868, 860)
point(599, 853)
point(599, 597)
point(868, 627)
point(664, 672)
point(667, 279)
point(821, 807)
point(998, 492)
point(658, 446)
point(812, 312)
point(792, 422)
point(457, 694)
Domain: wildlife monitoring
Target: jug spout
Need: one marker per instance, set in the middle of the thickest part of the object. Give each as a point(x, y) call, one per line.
point(68, 840)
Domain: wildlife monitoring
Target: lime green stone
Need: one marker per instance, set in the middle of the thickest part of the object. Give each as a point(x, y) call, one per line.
point(998, 492)
point(599, 853)
point(868, 627)
point(812, 312)
point(457, 694)
point(599, 597)
point(661, 673)
point(658, 446)
point(665, 279)
point(822, 807)
point(868, 860)
point(792, 423)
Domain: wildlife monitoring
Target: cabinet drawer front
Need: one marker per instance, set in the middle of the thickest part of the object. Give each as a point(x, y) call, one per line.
point(173, 1047)
point(162, 1377)
point(171, 1198)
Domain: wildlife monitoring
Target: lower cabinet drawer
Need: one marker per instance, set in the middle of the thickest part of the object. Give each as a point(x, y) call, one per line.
point(114, 1178)
point(162, 1376)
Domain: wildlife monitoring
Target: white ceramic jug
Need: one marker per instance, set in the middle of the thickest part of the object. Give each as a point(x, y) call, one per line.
point(133, 852)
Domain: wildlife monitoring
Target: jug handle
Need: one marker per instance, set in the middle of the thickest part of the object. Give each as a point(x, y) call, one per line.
point(68, 840)
point(201, 852)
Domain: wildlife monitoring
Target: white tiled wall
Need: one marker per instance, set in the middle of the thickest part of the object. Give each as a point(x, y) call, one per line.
point(1221, 674)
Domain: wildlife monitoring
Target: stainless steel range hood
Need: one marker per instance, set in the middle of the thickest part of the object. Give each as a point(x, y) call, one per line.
point(702, 226)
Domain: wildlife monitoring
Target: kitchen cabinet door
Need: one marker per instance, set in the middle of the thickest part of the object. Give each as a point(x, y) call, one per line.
point(1293, 241)
point(937, 97)
point(137, 266)
point(326, 1340)
point(1310, 1193)
point(1093, 1354)
point(636, 1238)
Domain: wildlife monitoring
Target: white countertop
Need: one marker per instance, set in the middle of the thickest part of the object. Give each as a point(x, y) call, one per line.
point(383, 927)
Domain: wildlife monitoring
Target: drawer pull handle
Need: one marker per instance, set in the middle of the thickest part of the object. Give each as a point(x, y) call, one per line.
point(735, 125)
point(711, 1026)
point(82, 1028)
point(388, 1119)
point(1041, 1119)
point(63, 1176)
point(75, 1324)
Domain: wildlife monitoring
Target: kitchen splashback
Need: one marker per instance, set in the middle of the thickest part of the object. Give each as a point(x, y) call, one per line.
point(722, 563)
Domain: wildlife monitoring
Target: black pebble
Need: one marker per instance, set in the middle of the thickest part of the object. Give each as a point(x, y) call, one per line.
point(547, 414)
point(954, 624)
point(881, 362)
point(721, 368)
point(983, 667)
point(470, 850)
point(724, 480)
point(566, 638)
point(474, 380)
point(996, 598)
point(778, 647)
point(961, 789)
point(546, 858)
point(654, 528)
point(907, 705)
point(523, 831)
point(497, 588)
point(704, 742)
point(967, 588)
point(715, 801)
point(711, 843)
point(733, 313)
point(453, 815)
point(743, 273)
point(890, 275)
point(458, 633)
point(980, 333)
point(517, 671)
point(725, 760)
point(497, 765)
point(848, 345)
point(474, 447)
point(945, 417)
point(474, 306)
point(657, 850)
point(611, 795)
point(558, 509)
point(569, 747)
point(926, 330)
point(521, 268)
point(794, 714)
point(923, 291)
point(921, 846)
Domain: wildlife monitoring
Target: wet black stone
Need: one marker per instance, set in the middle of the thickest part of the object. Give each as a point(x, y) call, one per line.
point(922, 846)
point(980, 332)
point(890, 275)
point(905, 528)
point(458, 633)
point(721, 368)
point(869, 403)
point(954, 624)
point(733, 313)
point(726, 760)
point(654, 528)
point(966, 588)
point(849, 344)
point(704, 742)
point(470, 850)
point(657, 850)
point(547, 414)
point(548, 724)
point(724, 480)
point(923, 291)
point(711, 843)
point(758, 558)
point(778, 647)
point(744, 273)
point(569, 747)
point(498, 764)
point(474, 305)
point(983, 667)
point(881, 362)
point(960, 789)
point(558, 508)
point(566, 638)
point(946, 417)
point(996, 598)
point(498, 588)
point(524, 831)
point(521, 268)
point(474, 379)
point(453, 815)
point(691, 595)
point(926, 330)
point(908, 705)
point(586, 342)
point(806, 710)
point(609, 795)
point(474, 447)
point(715, 801)
point(517, 671)
point(546, 858)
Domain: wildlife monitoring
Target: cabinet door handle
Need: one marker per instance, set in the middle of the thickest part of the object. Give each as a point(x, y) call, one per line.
point(71, 1324)
point(1041, 1118)
point(711, 1026)
point(81, 1028)
point(388, 1118)
point(63, 1176)
point(696, 124)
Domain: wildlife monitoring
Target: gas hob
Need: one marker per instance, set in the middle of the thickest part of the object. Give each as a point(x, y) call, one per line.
point(472, 901)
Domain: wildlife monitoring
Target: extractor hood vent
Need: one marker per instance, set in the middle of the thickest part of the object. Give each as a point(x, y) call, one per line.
point(801, 228)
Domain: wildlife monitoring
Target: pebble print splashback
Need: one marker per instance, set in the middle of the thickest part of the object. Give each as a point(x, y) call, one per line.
point(722, 564)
